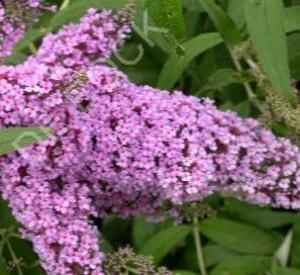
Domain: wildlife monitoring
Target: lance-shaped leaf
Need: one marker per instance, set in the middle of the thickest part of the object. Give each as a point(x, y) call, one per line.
point(240, 237)
point(222, 21)
point(265, 21)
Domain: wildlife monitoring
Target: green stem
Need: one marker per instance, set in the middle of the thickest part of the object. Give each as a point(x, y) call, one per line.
point(14, 257)
point(197, 240)
point(250, 93)
point(32, 48)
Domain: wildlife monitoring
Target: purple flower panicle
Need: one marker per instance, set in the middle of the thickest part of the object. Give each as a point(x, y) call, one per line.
point(150, 146)
point(80, 45)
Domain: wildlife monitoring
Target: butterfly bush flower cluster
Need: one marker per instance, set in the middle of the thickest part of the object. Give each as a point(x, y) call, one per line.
point(121, 148)
point(93, 40)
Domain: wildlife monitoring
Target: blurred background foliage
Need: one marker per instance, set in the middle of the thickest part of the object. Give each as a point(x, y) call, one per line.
point(233, 51)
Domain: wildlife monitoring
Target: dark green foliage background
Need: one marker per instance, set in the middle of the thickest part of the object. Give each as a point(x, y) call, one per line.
point(190, 55)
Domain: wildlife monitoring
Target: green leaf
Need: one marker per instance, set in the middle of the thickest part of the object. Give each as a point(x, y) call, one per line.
point(295, 251)
point(142, 231)
point(265, 23)
point(168, 14)
point(292, 18)
point(258, 216)
point(239, 237)
point(243, 265)
point(13, 139)
point(223, 22)
point(164, 241)
point(175, 65)
point(76, 10)
point(236, 12)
